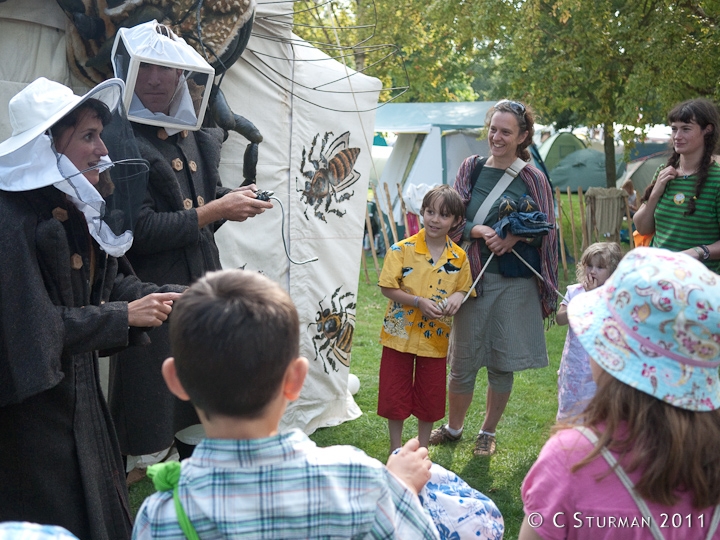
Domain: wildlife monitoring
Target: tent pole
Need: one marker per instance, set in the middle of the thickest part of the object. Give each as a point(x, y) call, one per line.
point(390, 214)
point(404, 211)
point(364, 264)
point(572, 225)
point(382, 221)
point(560, 234)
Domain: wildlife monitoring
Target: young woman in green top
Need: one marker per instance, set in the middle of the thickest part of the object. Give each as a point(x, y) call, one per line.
point(681, 207)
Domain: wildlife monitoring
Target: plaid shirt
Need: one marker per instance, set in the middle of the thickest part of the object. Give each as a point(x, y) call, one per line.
point(285, 487)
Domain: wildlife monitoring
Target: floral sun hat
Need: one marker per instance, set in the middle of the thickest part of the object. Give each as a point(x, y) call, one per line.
point(655, 325)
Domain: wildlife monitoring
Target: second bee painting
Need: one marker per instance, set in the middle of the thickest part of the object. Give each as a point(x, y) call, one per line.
point(317, 119)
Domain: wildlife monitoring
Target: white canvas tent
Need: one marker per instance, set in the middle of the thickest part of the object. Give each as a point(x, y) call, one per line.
point(292, 93)
point(433, 140)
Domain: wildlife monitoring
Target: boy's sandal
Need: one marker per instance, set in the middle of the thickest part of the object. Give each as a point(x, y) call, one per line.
point(441, 436)
point(484, 445)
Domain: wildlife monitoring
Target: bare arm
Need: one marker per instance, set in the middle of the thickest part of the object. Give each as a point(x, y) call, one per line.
point(714, 249)
point(644, 218)
point(561, 316)
point(527, 532)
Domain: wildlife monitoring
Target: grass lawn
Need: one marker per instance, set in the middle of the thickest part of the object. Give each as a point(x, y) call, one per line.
point(523, 429)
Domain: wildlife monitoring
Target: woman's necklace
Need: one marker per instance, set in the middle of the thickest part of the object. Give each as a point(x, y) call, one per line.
point(682, 172)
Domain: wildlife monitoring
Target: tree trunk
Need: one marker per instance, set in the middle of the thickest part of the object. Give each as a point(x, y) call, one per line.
point(359, 55)
point(609, 144)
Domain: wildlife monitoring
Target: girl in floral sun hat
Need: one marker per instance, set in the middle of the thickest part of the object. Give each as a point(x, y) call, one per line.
point(645, 459)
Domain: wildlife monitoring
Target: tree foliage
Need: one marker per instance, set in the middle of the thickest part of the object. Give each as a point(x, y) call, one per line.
point(576, 62)
point(430, 53)
point(600, 62)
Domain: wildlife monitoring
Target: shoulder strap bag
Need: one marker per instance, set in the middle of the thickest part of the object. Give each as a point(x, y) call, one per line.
point(510, 173)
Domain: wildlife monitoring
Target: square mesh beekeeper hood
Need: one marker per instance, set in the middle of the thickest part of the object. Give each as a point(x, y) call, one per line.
point(167, 83)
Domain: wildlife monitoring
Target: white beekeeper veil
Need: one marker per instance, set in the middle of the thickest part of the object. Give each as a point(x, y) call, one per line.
point(29, 159)
point(143, 56)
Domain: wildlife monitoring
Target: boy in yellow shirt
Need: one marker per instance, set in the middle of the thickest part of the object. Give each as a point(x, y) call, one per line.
point(425, 277)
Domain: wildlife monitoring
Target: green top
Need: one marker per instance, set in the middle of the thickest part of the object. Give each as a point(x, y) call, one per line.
point(677, 232)
point(490, 176)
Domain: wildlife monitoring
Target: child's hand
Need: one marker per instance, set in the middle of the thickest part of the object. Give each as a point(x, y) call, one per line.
point(590, 283)
point(411, 465)
point(453, 303)
point(429, 308)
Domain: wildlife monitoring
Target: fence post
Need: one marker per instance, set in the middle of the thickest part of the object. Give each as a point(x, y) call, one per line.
point(583, 224)
point(390, 214)
point(371, 240)
point(572, 225)
point(560, 234)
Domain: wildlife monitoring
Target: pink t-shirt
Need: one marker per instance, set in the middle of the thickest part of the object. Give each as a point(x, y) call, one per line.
point(577, 505)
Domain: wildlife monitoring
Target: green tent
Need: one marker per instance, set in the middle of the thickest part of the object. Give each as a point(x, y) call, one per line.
point(642, 176)
point(559, 146)
point(584, 168)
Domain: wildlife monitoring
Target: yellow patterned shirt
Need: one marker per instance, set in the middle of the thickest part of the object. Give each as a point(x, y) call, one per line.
point(409, 266)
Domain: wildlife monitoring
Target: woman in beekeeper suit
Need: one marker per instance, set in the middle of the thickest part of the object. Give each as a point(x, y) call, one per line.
point(65, 294)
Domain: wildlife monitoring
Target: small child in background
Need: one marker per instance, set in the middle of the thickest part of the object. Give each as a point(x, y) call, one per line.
point(575, 383)
point(632, 196)
point(425, 277)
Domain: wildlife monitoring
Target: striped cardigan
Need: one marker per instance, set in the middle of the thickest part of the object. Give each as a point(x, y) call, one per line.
point(539, 189)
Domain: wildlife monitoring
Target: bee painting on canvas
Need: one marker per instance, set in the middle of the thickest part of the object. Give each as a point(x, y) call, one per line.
point(332, 172)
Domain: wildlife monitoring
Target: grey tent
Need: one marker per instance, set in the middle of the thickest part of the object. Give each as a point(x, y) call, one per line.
point(584, 168)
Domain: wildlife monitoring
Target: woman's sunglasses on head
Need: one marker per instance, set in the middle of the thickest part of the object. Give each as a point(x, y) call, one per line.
point(515, 106)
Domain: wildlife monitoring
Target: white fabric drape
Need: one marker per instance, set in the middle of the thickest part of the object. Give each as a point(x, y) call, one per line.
point(289, 122)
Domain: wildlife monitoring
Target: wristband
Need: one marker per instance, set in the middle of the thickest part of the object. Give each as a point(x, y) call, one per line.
point(416, 301)
point(703, 252)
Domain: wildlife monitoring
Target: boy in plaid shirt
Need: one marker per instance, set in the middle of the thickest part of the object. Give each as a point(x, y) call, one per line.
point(235, 345)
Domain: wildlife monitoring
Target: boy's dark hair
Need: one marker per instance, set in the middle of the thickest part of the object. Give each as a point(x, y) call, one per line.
point(450, 201)
point(233, 335)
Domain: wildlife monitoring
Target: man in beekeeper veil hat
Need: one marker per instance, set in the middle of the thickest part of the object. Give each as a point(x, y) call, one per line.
point(167, 89)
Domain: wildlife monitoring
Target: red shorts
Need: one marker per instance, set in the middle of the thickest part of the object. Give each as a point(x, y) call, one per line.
point(411, 384)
